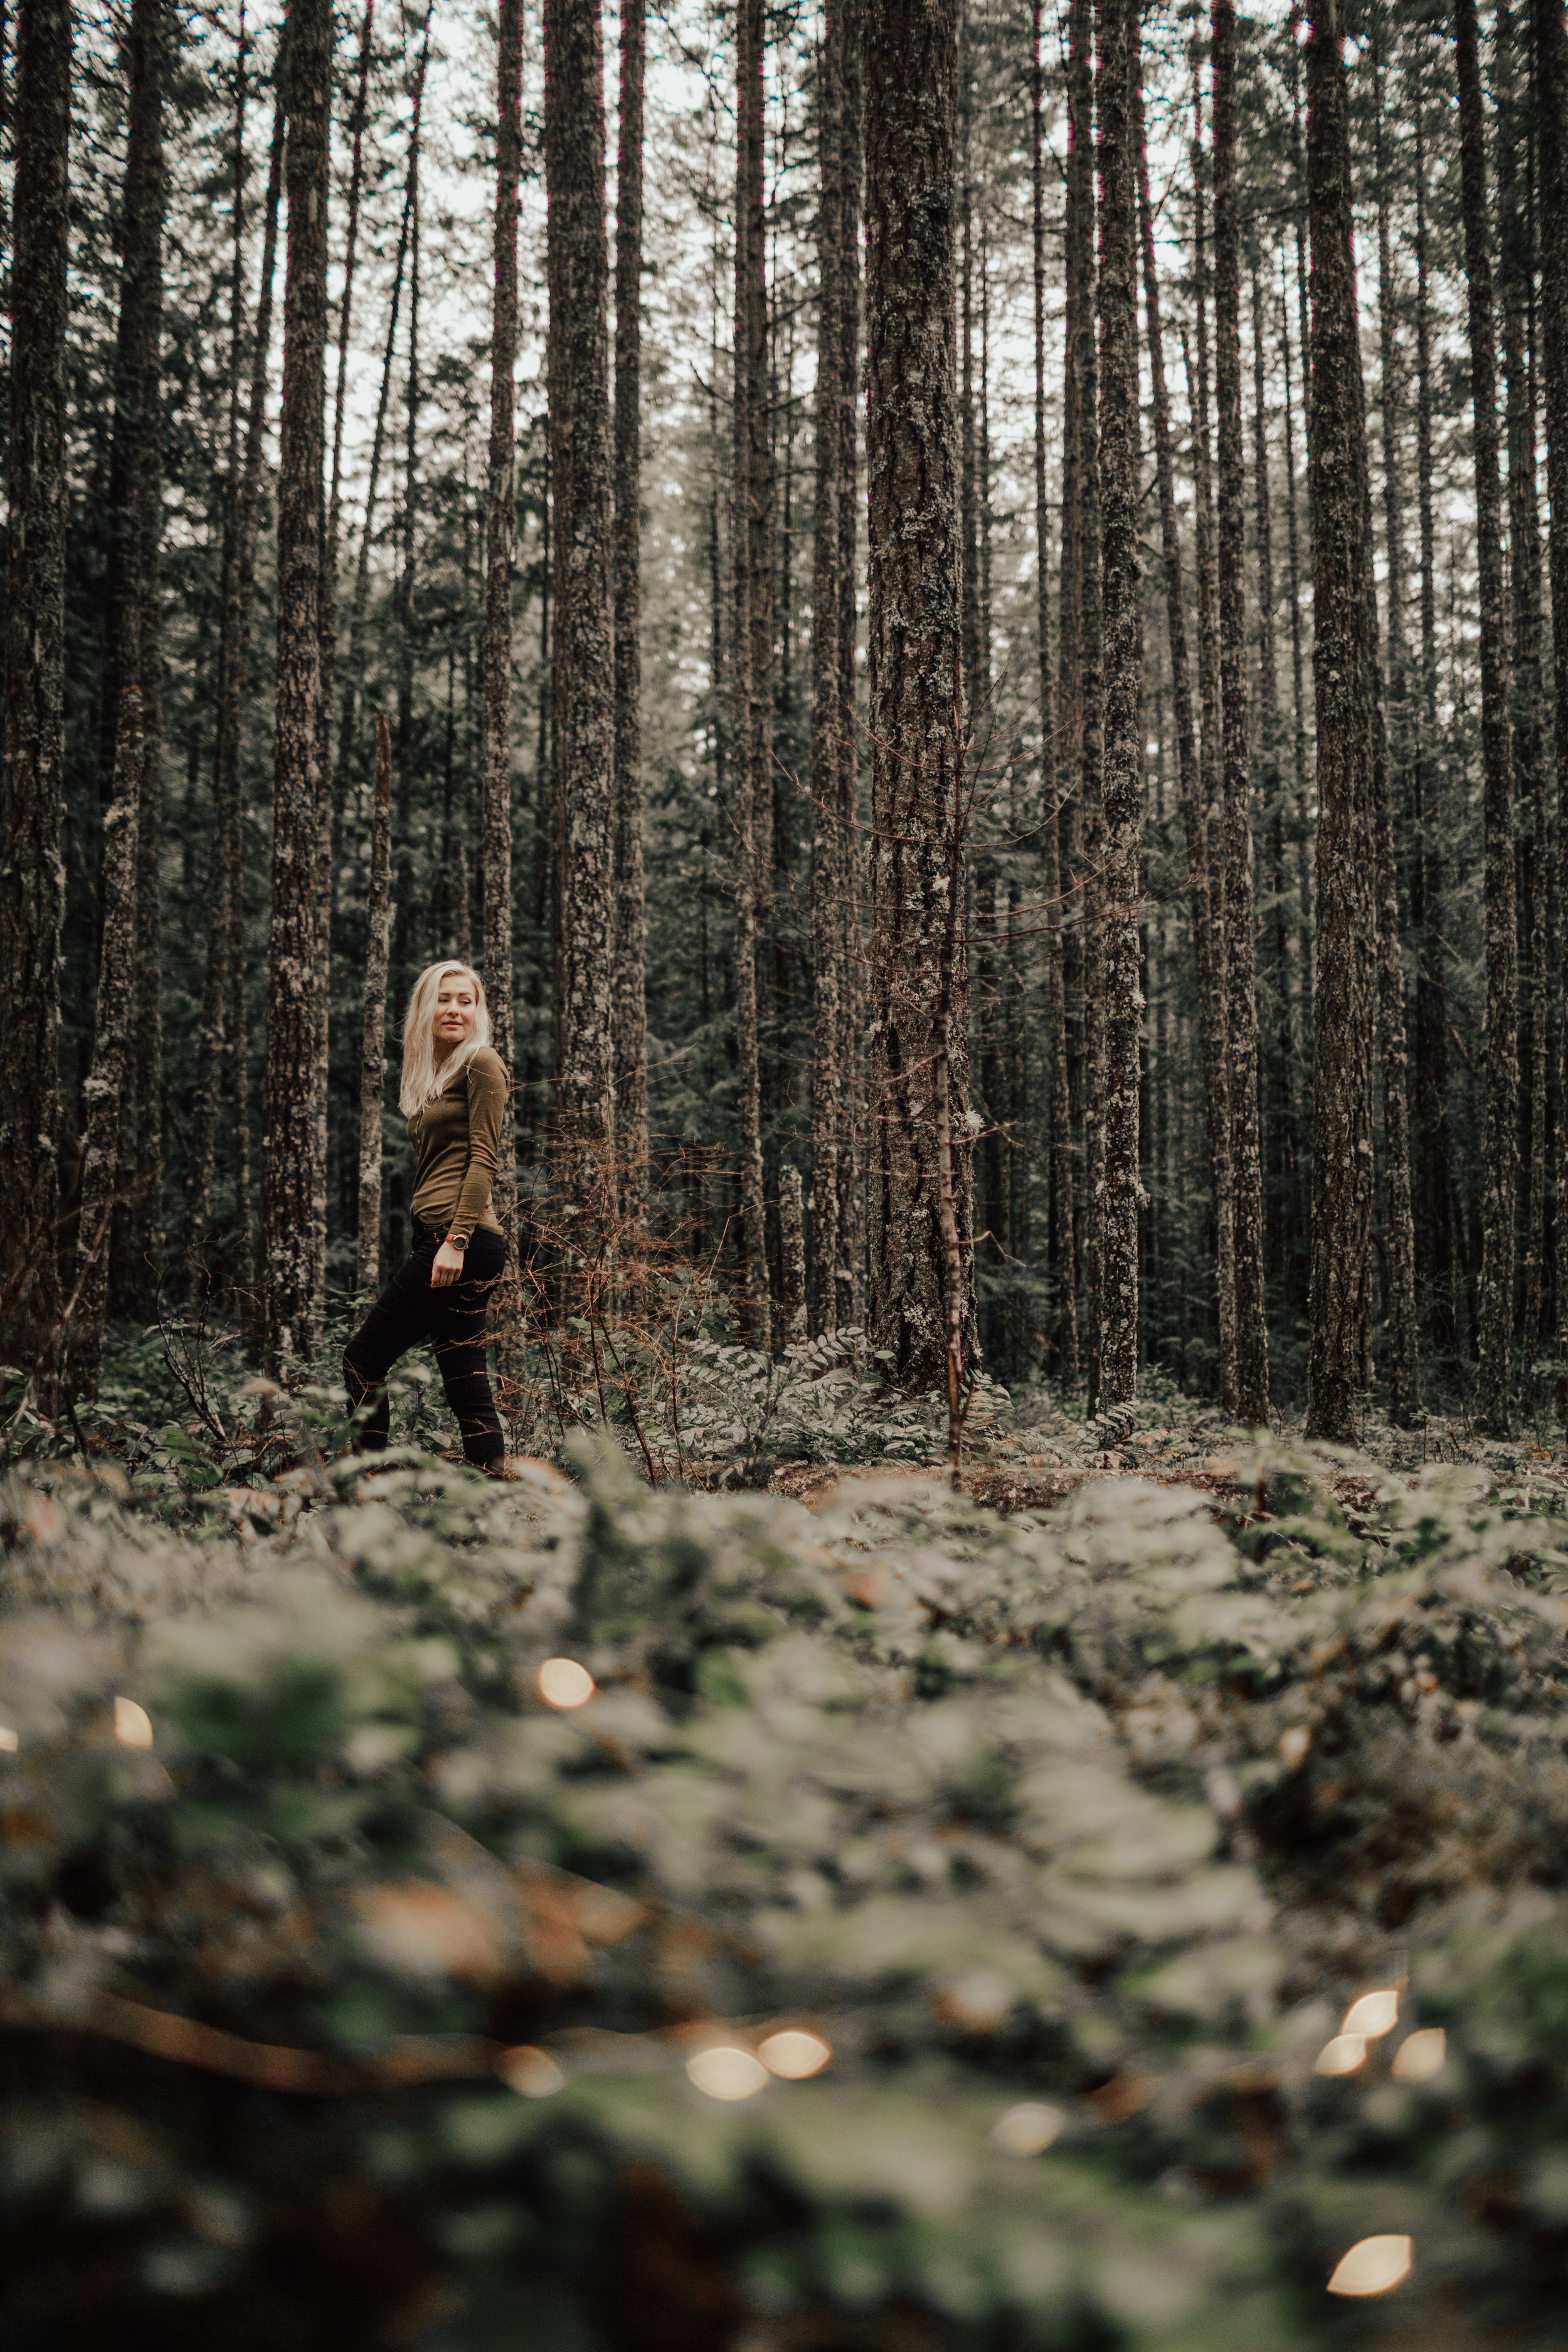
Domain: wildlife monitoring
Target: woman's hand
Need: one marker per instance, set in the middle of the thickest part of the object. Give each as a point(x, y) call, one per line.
point(448, 1267)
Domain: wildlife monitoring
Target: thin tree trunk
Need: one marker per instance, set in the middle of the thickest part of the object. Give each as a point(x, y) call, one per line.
point(32, 875)
point(495, 716)
point(1494, 1399)
point(109, 1153)
point(752, 682)
point(1341, 1079)
point(1120, 114)
point(630, 953)
point(1551, 59)
point(1241, 992)
point(1529, 713)
point(1280, 1124)
point(1404, 1337)
point(210, 1037)
point(1433, 1219)
point(584, 679)
point(291, 1037)
point(922, 1206)
point(1091, 759)
point(403, 944)
point(1210, 975)
point(1302, 818)
point(828, 874)
point(372, 1046)
point(854, 1165)
point(354, 657)
point(1062, 1353)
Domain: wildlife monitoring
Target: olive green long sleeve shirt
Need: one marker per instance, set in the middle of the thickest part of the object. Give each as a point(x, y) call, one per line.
point(457, 1137)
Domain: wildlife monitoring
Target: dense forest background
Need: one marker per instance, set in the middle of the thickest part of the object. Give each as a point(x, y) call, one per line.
point(1167, 984)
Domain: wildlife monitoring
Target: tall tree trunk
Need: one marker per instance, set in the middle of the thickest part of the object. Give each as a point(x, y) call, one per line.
point(372, 1046)
point(1405, 1369)
point(403, 952)
point(1197, 376)
point(292, 1034)
point(1241, 992)
point(1210, 973)
point(630, 956)
point(1494, 1399)
point(830, 867)
point(32, 875)
point(1092, 758)
point(210, 1035)
point(1551, 60)
point(922, 1207)
point(1433, 1196)
point(752, 668)
point(1524, 566)
point(1301, 817)
point(1119, 113)
point(1342, 1074)
point(583, 682)
point(1062, 1350)
point(1077, 399)
point(108, 1167)
point(853, 1167)
point(354, 651)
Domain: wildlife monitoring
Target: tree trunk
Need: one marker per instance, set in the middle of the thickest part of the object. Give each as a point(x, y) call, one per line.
point(210, 1035)
point(1062, 1341)
point(405, 954)
point(495, 714)
point(1241, 994)
point(373, 1048)
point(1403, 1337)
point(630, 956)
point(1210, 973)
point(1551, 59)
point(853, 1167)
point(292, 1031)
point(1342, 1074)
point(1209, 751)
point(32, 875)
point(583, 681)
point(1119, 80)
point(1494, 1399)
point(829, 857)
point(1091, 758)
point(1433, 1197)
point(109, 1149)
point(1529, 715)
point(753, 667)
point(922, 1208)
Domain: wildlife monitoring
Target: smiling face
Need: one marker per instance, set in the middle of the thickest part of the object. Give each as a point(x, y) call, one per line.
point(457, 1009)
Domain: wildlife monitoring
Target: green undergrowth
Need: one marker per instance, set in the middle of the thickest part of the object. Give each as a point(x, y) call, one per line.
point(1104, 1811)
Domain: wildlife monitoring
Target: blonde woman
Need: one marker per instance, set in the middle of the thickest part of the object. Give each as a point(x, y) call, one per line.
point(453, 1095)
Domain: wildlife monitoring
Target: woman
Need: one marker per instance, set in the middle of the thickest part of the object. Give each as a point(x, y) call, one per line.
point(452, 1093)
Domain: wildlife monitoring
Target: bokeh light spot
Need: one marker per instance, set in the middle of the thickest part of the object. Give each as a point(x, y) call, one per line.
point(1342, 2055)
point(562, 1682)
point(794, 2053)
point(1371, 2266)
point(1421, 2055)
point(1026, 2129)
point(1373, 2014)
point(726, 2072)
point(533, 2072)
point(132, 1724)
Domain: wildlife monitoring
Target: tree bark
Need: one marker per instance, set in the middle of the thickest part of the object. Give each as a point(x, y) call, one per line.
point(1062, 1341)
point(109, 1144)
point(495, 712)
point(829, 874)
point(294, 941)
point(922, 1207)
point(1241, 992)
point(1120, 79)
point(629, 962)
point(1210, 974)
point(751, 676)
point(32, 875)
point(1342, 1073)
point(373, 1044)
point(1404, 1338)
point(1551, 60)
point(405, 953)
point(1494, 1399)
point(855, 1164)
point(578, 266)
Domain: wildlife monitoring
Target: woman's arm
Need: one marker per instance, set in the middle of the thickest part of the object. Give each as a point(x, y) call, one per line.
point(486, 1107)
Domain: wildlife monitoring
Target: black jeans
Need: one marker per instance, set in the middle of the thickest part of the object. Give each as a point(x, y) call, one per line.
point(453, 1319)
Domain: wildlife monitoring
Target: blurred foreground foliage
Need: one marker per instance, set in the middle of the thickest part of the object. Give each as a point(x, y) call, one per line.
point(355, 2010)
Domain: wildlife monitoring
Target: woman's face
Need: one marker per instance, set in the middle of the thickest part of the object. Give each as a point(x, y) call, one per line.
point(457, 1009)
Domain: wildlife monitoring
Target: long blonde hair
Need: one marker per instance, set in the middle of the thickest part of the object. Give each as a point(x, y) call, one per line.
point(422, 1081)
